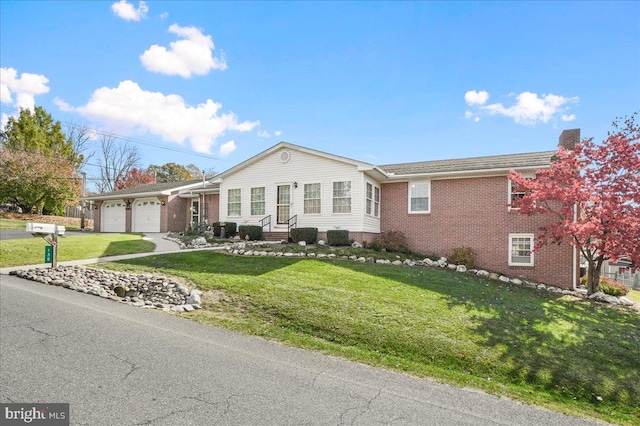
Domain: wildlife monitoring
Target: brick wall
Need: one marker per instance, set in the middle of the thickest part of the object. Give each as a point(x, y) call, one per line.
point(96, 215)
point(212, 208)
point(473, 213)
point(177, 219)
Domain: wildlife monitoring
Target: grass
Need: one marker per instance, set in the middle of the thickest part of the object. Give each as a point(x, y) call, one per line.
point(30, 251)
point(558, 352)
point(634, 295)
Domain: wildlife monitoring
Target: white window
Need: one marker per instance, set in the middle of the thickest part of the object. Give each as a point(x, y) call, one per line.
point(516, 193)
point(195, 210)
point(521, 249)
point(419, 197)
point(257, 201)
point(312, 194)
point(342, 197)
point(234, 202)
point(372, 196)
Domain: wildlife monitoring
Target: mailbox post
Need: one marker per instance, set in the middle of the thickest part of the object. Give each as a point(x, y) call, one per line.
point(49, 232)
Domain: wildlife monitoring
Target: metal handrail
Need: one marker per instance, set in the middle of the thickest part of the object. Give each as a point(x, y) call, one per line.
point(266, 221)
point(292, 222)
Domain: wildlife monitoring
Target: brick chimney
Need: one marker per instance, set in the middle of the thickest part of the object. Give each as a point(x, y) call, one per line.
point(569, 138)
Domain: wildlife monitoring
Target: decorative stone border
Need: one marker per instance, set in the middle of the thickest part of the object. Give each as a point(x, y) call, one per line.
point(140, 290)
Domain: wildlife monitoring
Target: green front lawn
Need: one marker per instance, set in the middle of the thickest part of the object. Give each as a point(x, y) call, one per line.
point(30, 251)
point(559, 352)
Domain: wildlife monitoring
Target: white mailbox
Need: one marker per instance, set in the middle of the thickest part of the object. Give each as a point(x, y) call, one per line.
point(44, 228)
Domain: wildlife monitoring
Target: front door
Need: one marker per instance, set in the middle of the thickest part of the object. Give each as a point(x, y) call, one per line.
point(283, 206)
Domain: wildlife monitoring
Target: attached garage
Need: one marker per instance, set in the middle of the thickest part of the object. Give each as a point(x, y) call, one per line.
point(145, 215)
point(113, 216)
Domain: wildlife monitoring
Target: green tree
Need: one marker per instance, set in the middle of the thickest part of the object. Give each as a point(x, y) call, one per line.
point(38, 163)
point(173, 172)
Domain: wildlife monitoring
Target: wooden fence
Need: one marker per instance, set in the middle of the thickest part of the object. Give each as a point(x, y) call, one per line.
point(77, 212)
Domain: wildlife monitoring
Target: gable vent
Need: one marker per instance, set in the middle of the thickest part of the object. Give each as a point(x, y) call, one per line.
point(285, 156)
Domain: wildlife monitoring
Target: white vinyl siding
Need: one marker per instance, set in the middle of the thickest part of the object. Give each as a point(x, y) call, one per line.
point(304, 168)
point(234, 203)
point(521, 249)
point(257, 201)
point(342, 197)
point(312, 198)
point(419, 197)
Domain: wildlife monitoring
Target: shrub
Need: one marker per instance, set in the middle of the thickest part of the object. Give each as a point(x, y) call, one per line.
point(608, 286)
point(230, 229)
point(394, 241)
point(338, 237)
point(612, 288)
point(253, 231)
point(309, 235)
point(463, 256)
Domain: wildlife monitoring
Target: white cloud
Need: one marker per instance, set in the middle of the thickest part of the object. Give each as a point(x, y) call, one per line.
point(569, 117)
point(277, 132)
point(127, 12)
point(468, 114)
point(62, 104)
point(164, 15)
point(192, 55)
point(476, 98)
point(530, 109)
point(167, 116)
point(477, 119)
point(24, 88)
point(227, 148)
point(264, 134)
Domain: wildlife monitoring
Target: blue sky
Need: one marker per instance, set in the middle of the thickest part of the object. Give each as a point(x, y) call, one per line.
point(383, 82)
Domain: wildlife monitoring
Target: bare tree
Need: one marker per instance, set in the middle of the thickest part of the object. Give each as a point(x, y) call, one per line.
point(80, 134)
point(116, 158)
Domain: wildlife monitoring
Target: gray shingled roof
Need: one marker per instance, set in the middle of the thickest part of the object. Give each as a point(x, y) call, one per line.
point(152, 187)
point(533, 159)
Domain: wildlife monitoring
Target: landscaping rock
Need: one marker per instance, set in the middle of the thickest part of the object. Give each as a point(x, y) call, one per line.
point(482, 273)
point(461, 268)
point(194, 297)
point(356, 245)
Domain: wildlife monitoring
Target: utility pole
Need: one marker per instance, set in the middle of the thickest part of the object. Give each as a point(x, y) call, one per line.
point(82, 202)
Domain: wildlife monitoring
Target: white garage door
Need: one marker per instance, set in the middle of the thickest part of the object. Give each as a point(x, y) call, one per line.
point(146, 215)
point(113, 216)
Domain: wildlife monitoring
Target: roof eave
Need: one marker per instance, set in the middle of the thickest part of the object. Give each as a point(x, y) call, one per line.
point(464, 173)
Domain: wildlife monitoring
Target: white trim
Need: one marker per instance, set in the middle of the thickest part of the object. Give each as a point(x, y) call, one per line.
point(264, 201)
point(510, 190)
point(233, 189)
point(305, 199)
point(531, 237)
point(422, 182)
point(333, 197)
point(374, 186)
point(193, 212)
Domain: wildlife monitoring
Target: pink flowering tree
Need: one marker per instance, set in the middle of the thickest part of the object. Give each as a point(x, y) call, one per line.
point(593, 193)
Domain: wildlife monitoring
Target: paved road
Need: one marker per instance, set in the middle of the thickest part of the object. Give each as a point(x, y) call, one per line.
point(119, 365)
